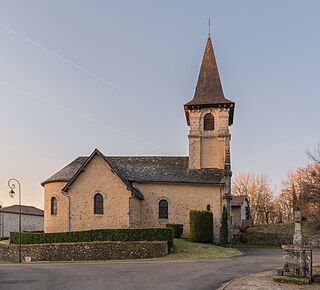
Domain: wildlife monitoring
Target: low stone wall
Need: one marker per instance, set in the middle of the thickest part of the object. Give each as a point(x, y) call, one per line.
point(275, 239)
point(267, 239)
point(109, 250)
point(314, 241)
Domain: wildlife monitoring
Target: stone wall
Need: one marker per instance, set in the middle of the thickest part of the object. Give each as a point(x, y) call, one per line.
point(207, 148)
point(277, 239)
point(134, 212)
point(58, 222)
point(109, 250)
point(181, 199)
point(267, 239)
point(10, 223)
point(96, 178)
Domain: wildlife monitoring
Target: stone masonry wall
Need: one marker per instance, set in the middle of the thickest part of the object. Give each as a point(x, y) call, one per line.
point(96, 178)
point(28, 223)
point(207, 148)
point(134, 212)
point(58, 222)
point(278, 239)
point(267, 239)
point(109, 250)
point(181, 199)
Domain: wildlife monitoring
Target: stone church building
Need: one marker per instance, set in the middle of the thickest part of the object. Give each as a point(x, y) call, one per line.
point(99, 192)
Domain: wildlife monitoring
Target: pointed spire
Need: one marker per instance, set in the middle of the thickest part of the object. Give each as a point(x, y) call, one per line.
point(209, 89)
point(209, 92)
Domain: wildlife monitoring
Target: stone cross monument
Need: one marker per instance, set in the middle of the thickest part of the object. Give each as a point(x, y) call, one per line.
point(297, 258)
point(297, 237)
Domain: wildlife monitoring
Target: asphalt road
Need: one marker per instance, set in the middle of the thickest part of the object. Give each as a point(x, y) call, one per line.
point(181, 274)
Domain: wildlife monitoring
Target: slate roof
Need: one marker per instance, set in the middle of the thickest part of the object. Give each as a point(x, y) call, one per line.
point(164, 169)
point(238, 200)
point(25, 209)
point(67, 172)
point(209, 92)
point(144, 169)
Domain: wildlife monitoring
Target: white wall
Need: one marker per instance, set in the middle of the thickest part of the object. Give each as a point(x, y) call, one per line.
point(9, 222)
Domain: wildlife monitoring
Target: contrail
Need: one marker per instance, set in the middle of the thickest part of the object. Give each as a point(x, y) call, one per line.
point(63, 58)
point(46, 101)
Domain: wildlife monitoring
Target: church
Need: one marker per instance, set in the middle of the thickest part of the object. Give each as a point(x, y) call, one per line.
point(101, 192)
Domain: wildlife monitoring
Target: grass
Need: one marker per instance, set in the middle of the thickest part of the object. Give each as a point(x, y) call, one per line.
point(185, 249)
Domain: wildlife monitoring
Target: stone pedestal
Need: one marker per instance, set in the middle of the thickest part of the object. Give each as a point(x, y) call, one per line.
point(297, 261)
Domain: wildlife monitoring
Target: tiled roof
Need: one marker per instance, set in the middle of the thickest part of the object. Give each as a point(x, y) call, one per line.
point(145, 169)
point(25, 209)
point(238, 200)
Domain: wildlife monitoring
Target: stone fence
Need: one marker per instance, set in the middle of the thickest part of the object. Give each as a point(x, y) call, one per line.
point(108, 250)
point(276, 239)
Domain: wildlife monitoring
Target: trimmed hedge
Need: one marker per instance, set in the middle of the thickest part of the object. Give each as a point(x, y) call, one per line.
point(177, 230)
point(201, 226)
point(149, 234)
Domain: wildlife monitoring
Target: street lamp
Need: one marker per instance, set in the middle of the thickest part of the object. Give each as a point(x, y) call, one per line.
point(12, 185)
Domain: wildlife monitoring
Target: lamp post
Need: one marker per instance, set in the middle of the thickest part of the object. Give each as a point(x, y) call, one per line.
point(12, 185)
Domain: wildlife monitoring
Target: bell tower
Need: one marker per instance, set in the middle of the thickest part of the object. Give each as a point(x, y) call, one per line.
point(209, 115)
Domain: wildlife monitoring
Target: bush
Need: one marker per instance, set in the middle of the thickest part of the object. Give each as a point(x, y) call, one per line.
point(177, 230)
point(224, 227)
point(149, 234)
point(201, 226)
point(4, 238)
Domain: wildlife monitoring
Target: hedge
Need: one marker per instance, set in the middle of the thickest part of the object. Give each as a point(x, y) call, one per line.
point(201, 226)
point(177, 230)
point(149, 234)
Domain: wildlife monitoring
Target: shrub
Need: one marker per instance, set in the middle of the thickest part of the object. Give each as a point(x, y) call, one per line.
point(201, 226)
point(177, 230)
point(224, 227)
point(149, 234)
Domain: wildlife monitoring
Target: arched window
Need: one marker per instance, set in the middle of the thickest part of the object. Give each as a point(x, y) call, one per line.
point(208, 207)
point(53, 206)
point(163, 209)
point(98, 204)
point(208, 122)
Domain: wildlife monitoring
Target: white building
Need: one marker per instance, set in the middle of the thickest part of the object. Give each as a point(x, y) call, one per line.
point(31, 219)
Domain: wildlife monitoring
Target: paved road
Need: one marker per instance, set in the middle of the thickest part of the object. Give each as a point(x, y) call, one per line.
point(182, 274)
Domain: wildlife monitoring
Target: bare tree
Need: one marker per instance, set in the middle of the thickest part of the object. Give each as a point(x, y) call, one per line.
point(304, 187)
point(257, 187)
point(283, 207)
point(314, 155)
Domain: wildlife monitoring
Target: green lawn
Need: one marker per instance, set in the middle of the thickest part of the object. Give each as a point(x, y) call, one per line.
point(185, 249)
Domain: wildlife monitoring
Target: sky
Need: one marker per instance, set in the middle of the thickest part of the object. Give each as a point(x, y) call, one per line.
point(114, 75)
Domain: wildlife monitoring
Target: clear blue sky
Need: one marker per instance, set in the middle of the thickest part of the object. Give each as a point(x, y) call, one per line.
point(114, 75)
